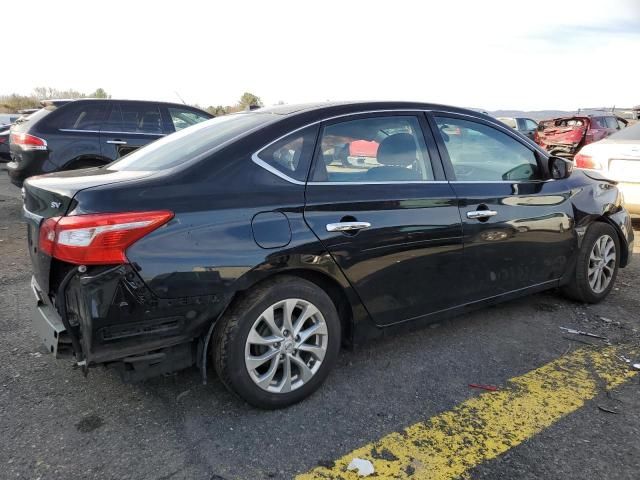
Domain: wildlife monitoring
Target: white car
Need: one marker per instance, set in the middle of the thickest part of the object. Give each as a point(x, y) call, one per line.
point(617, 157)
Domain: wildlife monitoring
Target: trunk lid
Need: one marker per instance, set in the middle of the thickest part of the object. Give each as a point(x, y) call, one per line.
point(53, 195)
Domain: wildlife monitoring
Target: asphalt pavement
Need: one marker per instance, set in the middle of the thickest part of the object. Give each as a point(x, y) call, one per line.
point(55, 423)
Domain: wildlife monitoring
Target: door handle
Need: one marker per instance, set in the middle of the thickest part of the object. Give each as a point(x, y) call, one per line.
point(347, 226)
point(476, 214)
point(117, 142)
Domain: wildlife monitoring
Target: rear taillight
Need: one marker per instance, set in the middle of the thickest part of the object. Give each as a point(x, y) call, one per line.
point(97, 239)
point(3, 140)
point(28, 142)
point(585, 161)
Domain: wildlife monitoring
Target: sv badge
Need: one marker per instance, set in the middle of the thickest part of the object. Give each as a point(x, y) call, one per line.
point(56, 204)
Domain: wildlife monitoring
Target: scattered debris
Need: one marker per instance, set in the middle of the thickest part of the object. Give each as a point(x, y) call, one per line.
point(624, 359)
point(364, 467)
point(608, 410)
point(609, 321)
point(182, 395)
point(581, 332)
point(580, 341)
point(490, 388)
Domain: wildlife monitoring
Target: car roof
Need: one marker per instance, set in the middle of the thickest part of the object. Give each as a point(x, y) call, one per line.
point(327, 109)
point(60, 102)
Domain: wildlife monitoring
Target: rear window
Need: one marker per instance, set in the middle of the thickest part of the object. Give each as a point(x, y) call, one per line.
point(182, 118)
point(189, 143)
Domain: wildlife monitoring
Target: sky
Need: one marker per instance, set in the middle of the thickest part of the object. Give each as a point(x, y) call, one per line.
point(487, 54)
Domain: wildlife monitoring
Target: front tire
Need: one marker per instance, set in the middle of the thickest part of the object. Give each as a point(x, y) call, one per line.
point(597, 265)
point(277, 344)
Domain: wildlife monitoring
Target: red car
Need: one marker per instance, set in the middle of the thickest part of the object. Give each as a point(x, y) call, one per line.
point(567, 135)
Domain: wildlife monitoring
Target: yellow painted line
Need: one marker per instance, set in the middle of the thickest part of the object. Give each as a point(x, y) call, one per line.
point(483, 427)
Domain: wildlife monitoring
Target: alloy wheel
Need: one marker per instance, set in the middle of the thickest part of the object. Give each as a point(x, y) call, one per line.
point(286, 345)
point(602, 263)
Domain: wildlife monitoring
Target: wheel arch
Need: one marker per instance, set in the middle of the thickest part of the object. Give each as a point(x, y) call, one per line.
point(351, 311)
point(624, 252)
point(98, 159)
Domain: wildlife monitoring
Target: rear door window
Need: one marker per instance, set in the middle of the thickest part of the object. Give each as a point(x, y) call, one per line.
point(141, 118)
point(373, 150)
point(183, 118)
point(81, 116)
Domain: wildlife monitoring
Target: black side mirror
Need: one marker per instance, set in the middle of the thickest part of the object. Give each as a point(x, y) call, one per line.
point(560, 167)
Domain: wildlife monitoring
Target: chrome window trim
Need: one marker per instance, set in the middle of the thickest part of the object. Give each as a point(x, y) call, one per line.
point(255, 157)
point(110, 131)
point(258, 161)
point(387, 182)
point(514, 182)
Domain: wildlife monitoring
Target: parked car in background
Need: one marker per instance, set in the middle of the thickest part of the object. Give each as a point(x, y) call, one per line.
point(7, 119)
point(617, 157)
point(525, 126)
point(72, 134)
point(240, 240)
point(4, 144)
point(567, 135)
point(25, 113)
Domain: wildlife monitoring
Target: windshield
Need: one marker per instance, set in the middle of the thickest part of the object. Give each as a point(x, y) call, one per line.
point(190, 142)
point(629, 133)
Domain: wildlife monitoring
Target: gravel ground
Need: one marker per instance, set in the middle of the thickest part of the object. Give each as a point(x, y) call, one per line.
point(54, 423)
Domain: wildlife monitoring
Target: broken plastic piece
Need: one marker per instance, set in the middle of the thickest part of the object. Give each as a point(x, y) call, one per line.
point(608, 410)
point(364, 467)
point(636, 366)
point(580, 332)
point(490, 388)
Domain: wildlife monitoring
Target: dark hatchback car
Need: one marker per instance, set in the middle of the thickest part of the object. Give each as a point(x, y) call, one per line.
point(243, 239)
point(4, 144)
point(73, 134)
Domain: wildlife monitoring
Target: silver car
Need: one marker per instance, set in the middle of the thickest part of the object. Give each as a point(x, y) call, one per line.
point(617, 157)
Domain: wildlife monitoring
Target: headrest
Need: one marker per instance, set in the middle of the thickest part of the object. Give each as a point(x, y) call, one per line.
point(397, 150)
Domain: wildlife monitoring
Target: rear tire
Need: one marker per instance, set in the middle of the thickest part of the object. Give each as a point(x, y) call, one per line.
point(597, 265)
point(277, 344)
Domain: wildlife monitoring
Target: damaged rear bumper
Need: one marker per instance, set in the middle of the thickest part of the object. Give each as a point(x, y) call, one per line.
point(48, 325)
point(114, 319)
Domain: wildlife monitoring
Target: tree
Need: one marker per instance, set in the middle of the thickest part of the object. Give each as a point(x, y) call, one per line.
point(100, 93)
point(217, 110)
point(14, 102)
point(42, 93)
point(249, 100)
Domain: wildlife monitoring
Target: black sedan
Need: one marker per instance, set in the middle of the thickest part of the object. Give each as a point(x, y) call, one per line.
point(247, 240)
